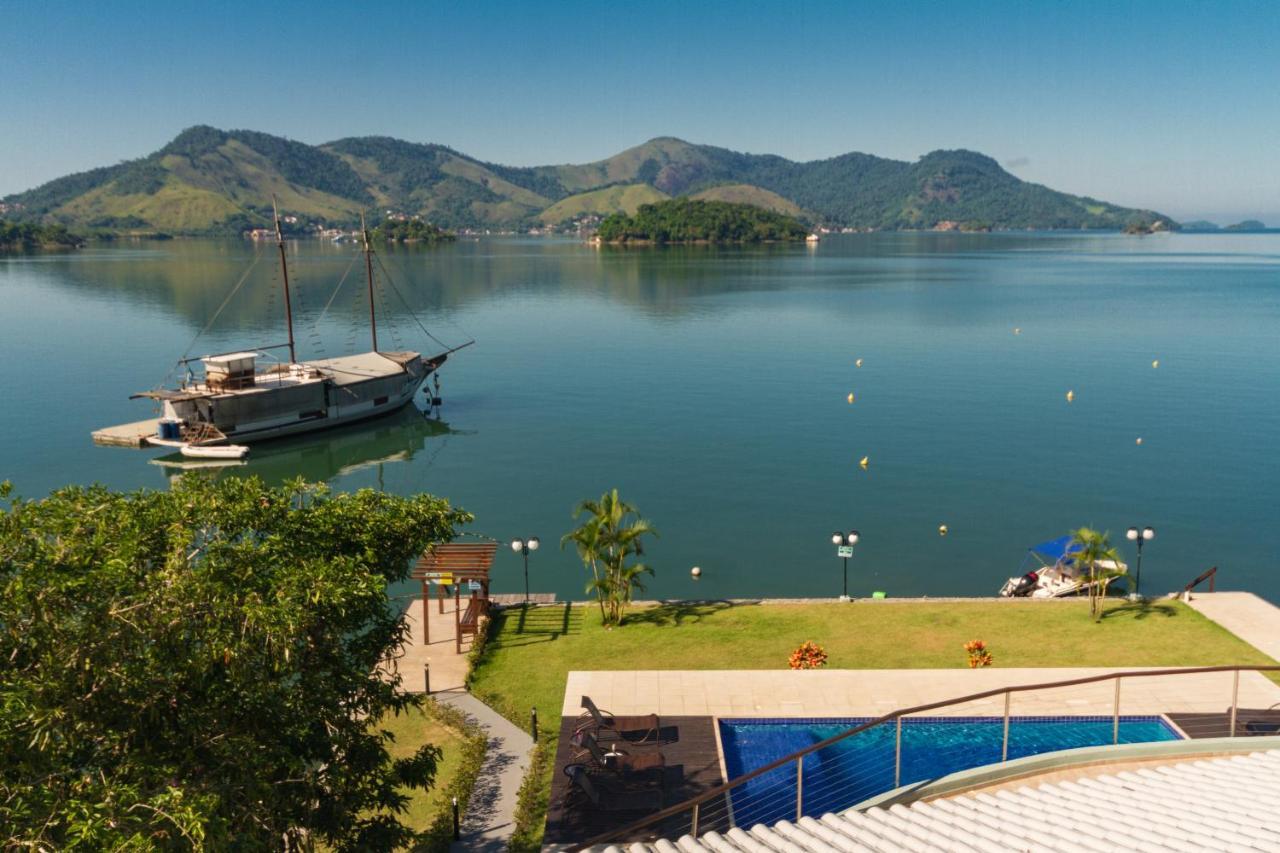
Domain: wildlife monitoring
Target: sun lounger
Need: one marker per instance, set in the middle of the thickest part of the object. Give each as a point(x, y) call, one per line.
point(612, 795)
point(615, 759)
point(636, 729)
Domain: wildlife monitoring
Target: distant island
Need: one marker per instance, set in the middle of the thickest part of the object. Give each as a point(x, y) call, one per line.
point(1201, 225)
point(21, 236)
point(409, 231)
point(686, 220)
point(1247, 225)
point(208, 181)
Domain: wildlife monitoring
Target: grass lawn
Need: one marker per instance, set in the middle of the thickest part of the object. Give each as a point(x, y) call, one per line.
point(530, 652)
point(411, 731)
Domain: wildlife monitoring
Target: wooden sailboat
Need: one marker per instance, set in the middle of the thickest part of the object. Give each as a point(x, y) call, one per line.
point(237, 401)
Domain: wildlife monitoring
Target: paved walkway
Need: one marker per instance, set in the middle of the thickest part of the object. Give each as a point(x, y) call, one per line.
point(1253, 620)
point(490, 816)
point(872, 692)
point(448, 668)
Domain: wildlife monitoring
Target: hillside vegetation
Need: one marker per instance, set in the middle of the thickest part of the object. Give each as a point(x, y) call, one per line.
point(685, 220)
point(214, 181)
point(29, 235)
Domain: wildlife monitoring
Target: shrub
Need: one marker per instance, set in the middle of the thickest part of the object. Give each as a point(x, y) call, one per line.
point(809, 655)
point(978, 654)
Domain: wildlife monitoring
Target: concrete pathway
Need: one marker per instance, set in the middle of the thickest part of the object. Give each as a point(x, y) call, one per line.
point(490, 817)
point(1253, 620)
point(448, 668)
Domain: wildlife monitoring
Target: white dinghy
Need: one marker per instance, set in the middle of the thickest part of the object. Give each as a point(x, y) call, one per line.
point(219, 451)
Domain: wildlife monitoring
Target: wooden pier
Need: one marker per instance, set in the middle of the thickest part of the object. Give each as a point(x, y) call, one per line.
point(127, 435)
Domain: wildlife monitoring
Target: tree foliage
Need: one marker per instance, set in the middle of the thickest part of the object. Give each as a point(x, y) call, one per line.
point(196, 668)
point(609, 536)
point(1094, 551)
point(684, 220)
point(409, 231)
point(31, 235)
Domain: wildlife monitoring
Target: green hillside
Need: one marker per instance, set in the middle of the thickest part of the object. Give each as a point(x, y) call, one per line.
point(747, 194)
point(624, 198)
point(213, 181)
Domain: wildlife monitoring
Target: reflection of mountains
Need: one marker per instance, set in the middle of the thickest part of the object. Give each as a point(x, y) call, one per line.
point(398, 437)
point(192, 277)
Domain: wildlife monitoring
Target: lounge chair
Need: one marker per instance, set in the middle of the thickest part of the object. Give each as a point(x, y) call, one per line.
point(644, 726)
point(616, 759)
point(610, 795)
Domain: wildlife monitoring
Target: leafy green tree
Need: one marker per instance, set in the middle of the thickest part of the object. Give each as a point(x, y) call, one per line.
point(611, 534)
point(1101, 558)
point(199, 668)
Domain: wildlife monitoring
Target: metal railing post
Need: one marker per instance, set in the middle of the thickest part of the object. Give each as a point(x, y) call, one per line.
point(1235, 701)
point(1004, 747)
point(799, 787)
point(897, 755)
point(1115, 716)
point(693, 826)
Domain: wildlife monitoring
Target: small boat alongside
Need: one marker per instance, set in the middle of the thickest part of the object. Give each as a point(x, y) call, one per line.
point(215, 451)
point(1050, 570)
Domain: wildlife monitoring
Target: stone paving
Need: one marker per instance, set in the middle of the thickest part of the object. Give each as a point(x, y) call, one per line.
point(872, 692)
point(448, 668)
point(1244, 614)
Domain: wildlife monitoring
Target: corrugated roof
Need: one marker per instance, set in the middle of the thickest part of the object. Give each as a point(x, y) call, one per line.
point(1216, 804)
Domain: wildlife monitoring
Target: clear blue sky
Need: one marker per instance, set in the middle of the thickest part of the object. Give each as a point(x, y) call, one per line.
point(1171, 105)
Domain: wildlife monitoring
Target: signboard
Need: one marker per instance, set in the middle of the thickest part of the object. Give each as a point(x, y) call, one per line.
point(474, 586)
point(844, 551)
point(441, 578)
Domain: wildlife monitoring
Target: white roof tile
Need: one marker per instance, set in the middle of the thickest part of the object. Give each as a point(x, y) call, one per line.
point(1212, 804)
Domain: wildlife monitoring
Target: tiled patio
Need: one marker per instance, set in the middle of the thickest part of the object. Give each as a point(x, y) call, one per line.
point(855, 693)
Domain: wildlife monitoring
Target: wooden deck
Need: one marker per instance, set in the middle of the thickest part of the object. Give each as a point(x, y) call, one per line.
point(127, 435)
point(693, 766)
point(515, 599)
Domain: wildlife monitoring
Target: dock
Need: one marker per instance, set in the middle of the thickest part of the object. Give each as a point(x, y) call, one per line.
point(127, 435)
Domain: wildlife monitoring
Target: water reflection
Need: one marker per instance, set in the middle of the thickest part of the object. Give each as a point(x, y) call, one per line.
point(399, 437)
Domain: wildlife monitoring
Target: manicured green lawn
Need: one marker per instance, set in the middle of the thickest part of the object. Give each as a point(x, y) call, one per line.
point(529, 653)
point(412, 730)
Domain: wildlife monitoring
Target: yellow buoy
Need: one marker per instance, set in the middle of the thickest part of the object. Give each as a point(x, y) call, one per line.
point(942, 530)
point(863, 462)
point(1071, 395)
point(1139, 441)
point(858, 363)
point(1155, 363)
point(850, 398)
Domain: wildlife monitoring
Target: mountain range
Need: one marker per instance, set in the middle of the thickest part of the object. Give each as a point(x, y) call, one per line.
point(214, 181)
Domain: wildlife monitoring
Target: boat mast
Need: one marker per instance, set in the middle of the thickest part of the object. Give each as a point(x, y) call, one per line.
point(368, 267)
point(284, 275)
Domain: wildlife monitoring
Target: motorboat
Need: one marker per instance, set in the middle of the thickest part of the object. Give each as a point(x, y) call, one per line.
point(1050, 570)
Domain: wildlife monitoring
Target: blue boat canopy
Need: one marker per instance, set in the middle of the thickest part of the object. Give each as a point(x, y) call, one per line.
point(1055, 549)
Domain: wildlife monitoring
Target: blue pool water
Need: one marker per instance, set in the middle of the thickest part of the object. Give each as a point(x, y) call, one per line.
point(862, 765)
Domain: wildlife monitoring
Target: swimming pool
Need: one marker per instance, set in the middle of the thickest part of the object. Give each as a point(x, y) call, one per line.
point(862, 765)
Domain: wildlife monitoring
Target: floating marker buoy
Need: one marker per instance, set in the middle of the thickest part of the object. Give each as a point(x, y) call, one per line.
point(850, 398)
point(1139, 441)
point(858, 363)
point(696, 571)
point(1071, 395)
point(1155, 363)
point(942, 530)
point(1017, 331)
point(863, 462)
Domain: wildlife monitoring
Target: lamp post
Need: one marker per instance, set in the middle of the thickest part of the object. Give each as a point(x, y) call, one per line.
point(1139, 536)
point(844, 543)
point(524, 546)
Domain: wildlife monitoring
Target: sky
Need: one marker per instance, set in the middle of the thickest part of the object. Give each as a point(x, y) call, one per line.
point(1168, 105)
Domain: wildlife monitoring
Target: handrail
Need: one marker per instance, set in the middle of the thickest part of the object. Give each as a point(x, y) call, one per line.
point(671, 811)
point(1209, 575)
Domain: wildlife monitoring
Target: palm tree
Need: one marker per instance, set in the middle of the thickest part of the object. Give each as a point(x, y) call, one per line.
point(1095, 548)
point(612, 532)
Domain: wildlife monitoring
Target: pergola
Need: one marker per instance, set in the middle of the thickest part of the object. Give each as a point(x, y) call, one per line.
point(455, 564)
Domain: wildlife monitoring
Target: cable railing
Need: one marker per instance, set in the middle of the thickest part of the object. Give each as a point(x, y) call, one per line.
point(863, 758)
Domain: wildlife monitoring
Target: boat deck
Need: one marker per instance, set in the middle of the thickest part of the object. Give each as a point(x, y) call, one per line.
point(127, 435)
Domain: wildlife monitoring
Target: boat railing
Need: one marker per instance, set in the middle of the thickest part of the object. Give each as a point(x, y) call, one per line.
point(1209, 575)
point(901, 751)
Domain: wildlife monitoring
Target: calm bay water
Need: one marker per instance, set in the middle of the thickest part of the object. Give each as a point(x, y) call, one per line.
point(710, 387)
